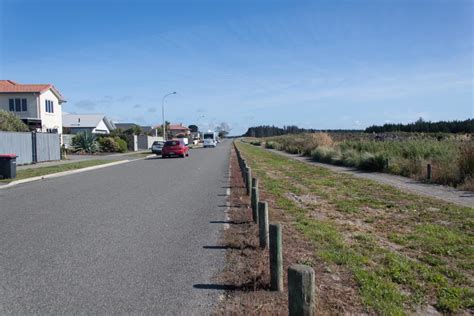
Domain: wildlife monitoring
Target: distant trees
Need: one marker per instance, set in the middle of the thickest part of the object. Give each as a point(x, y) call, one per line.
point(422, 126)
point(134, 130)
point(223, 129)
point(193, 128)
point(11, 123)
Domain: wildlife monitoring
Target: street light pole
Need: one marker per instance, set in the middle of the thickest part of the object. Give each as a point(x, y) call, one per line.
point(163, 113)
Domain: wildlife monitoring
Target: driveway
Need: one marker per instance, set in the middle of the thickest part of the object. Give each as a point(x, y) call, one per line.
point(125, 239)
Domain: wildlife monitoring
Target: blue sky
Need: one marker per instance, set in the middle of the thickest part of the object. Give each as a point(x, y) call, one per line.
point(320, 64)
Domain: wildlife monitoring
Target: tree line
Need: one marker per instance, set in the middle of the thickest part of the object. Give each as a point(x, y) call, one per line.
point(421, 126)
point(268, 131)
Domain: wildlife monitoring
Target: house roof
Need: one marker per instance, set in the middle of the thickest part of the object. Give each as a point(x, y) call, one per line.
point(9, 86)
point(175, 127)
point(86, 120)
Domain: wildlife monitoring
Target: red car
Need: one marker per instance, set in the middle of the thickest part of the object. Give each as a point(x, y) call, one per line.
point(174, 147)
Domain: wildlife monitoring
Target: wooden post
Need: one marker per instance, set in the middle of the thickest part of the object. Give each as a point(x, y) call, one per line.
point(263, 224)
point(300, 290)
point(249, 180)
point(428, 171)
point(276, 259)
point(254, 183)
point(254, 203)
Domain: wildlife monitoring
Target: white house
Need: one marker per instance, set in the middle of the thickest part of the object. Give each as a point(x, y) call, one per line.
point(94, 123)
point(38, 105)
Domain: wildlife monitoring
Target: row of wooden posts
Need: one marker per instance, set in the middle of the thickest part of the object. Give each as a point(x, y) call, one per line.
point(301, 285)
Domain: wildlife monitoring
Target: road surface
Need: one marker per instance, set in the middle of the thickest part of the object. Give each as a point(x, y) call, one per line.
point(123, 239)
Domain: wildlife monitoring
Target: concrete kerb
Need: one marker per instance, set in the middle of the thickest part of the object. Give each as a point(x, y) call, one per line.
point(65, 173)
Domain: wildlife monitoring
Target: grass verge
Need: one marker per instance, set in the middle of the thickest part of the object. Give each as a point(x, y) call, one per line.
point(41, 171)
point(406, 253)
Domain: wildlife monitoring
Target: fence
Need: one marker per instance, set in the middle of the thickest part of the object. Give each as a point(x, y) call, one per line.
point(31, 147)
point(145, 141)
point(301, 283)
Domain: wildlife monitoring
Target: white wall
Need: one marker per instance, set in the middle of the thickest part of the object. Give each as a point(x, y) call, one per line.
point(101, 128)
point(30, 101)
point(51, 120)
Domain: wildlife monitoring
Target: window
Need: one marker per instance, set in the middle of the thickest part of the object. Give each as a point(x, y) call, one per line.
point(17, 105)
point(49, 106)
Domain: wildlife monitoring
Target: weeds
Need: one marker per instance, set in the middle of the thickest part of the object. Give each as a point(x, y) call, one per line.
point(404, 251)
point(452, 159)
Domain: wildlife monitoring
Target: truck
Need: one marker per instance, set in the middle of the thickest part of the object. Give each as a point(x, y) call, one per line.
point(210, 139)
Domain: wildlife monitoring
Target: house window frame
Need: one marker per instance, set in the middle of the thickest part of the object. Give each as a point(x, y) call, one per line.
point(21, 106)
point(49, 106)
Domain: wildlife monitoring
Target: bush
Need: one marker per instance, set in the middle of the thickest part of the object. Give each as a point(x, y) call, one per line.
point(466, 161)
point(350, 158)
point(108, 144)
point(11, 123)
point(112, 144)
point(85, 142)
point(325, 154)
point(372, 162)
point(256, 143)
point(122, 145)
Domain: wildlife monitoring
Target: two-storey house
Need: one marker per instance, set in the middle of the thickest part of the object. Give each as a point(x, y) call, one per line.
point(38, 105)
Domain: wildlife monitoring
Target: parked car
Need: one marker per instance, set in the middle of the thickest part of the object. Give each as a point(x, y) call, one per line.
point(156, 147)
point(175, 147)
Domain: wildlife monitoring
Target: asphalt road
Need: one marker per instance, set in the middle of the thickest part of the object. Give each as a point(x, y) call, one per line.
point(124, 239)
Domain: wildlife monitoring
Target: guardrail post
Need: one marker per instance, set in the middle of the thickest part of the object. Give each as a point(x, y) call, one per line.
point(300, 290)
point(254, 199)
point(263, 224)
point(276, 259)
point(428, 171)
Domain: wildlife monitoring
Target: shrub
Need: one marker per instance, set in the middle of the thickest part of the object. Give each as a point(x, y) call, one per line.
point(122, 145)
point(256, 143)
point(10, 122)
point(466, 161)
point(108, 144)
point(85, 142)
point(372, 162)
point(324, 154)
point(350, 158)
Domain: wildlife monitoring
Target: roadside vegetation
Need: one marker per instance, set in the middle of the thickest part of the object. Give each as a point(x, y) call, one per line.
point(87, 142)
point(11, 123)
point(41, 171)
point(404, 253)
point(450, 155)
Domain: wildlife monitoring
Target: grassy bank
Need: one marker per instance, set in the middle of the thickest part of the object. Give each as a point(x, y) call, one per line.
point(451, 157)
point(406, 253)
point(41, 171)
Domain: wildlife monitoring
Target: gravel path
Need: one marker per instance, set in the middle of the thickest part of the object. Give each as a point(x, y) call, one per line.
point(445, 193)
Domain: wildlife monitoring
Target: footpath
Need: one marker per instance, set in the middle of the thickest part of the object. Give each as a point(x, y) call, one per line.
point(73, 164)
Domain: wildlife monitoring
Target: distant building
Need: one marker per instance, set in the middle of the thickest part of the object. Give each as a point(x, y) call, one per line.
point(94, 123)
point(38, 105)
point(175, 130)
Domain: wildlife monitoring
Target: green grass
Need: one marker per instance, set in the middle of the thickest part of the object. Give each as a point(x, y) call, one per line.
point(432, 262)
point(41, 171)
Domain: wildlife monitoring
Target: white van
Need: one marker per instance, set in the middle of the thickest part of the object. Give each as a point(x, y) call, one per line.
point(210, 139)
